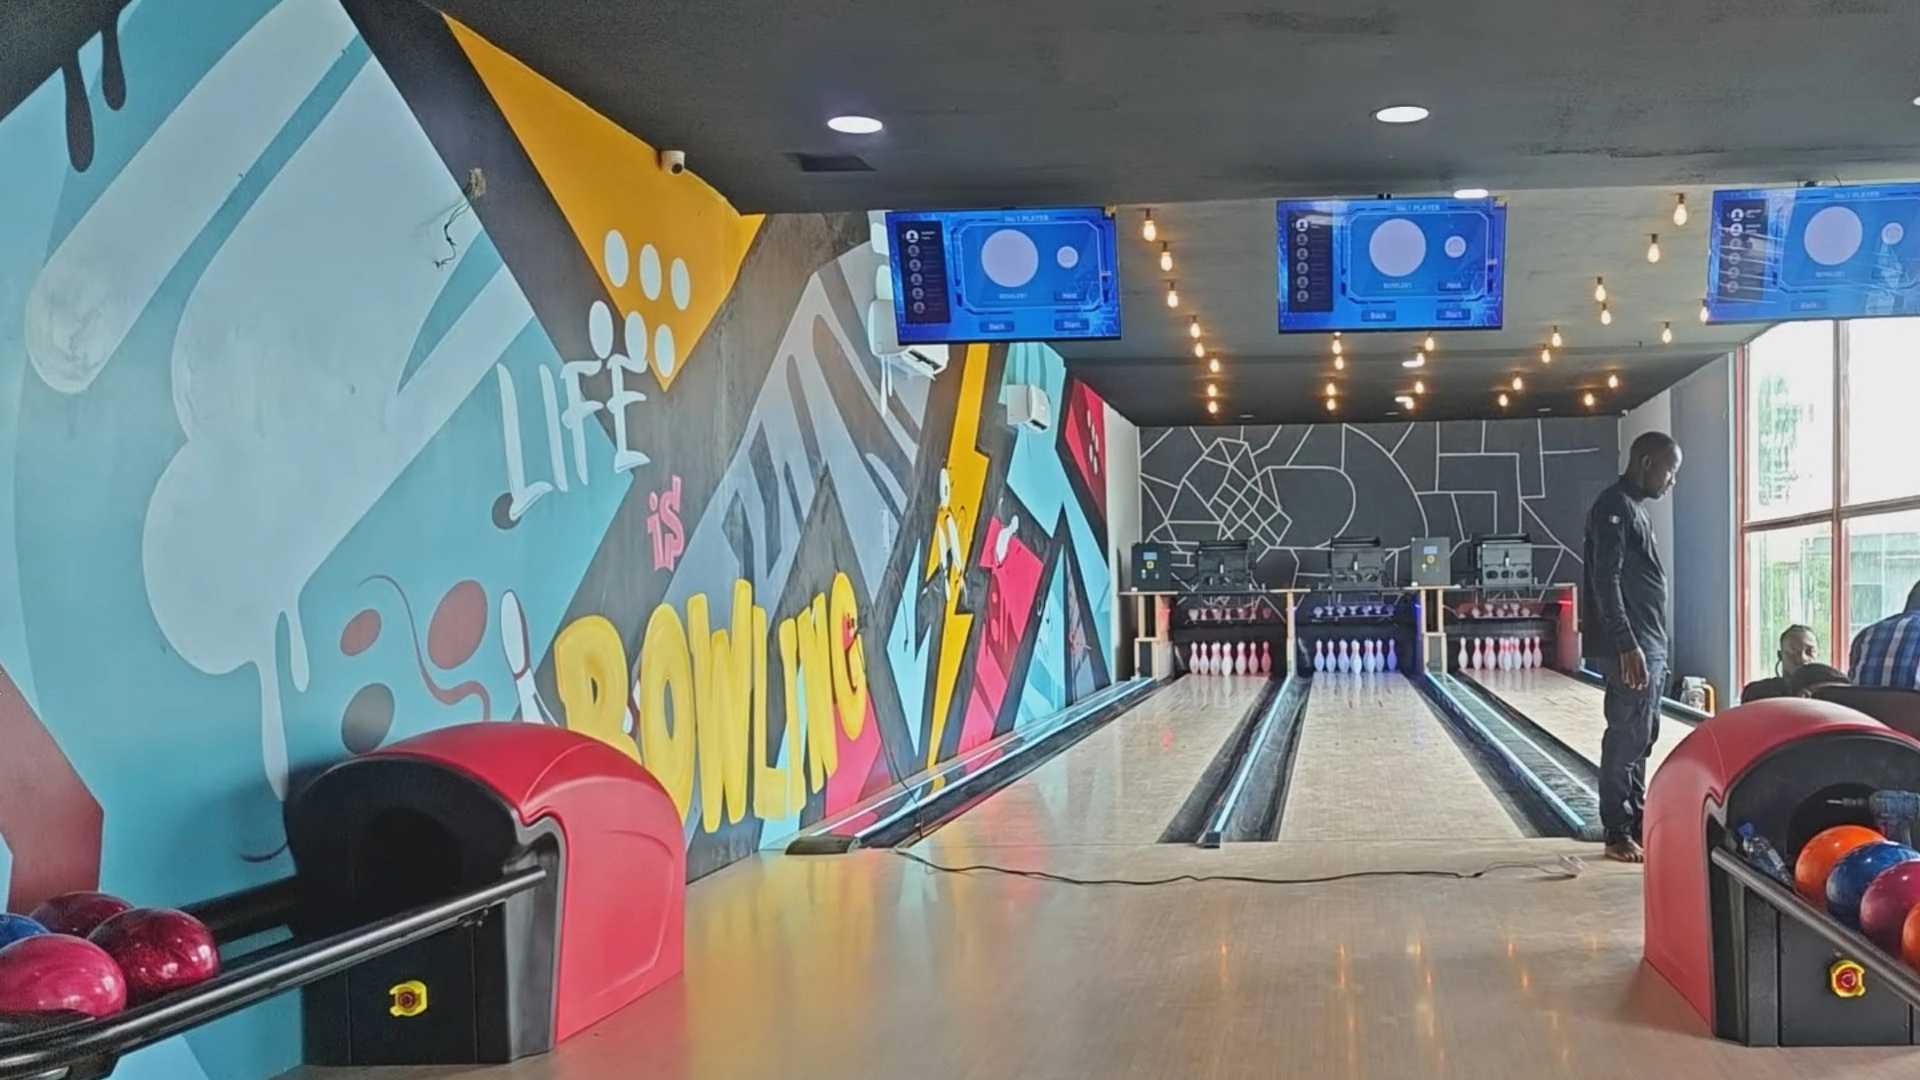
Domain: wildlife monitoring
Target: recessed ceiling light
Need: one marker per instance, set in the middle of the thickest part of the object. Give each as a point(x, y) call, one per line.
point(1916, 101)
point(1401, 114)
point(855, 125)
point(1471, 193)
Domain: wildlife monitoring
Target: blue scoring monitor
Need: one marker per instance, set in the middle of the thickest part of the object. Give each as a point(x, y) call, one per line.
point(1004, 275)
point(1391, 264)
point(1841, 252)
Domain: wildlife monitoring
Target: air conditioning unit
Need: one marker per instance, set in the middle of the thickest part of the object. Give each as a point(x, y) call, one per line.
point(883, 339)
point(1028, 407)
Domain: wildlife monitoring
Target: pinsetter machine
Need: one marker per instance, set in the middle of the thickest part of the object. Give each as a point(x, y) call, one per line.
point(1726, 814)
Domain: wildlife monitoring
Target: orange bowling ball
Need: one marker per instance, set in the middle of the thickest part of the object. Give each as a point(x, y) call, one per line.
point(1816, 859)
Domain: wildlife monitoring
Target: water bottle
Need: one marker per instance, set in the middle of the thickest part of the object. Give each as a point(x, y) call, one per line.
point(1761, 855)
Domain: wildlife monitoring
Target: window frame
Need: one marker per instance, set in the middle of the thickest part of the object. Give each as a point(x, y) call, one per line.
point(1836, 516)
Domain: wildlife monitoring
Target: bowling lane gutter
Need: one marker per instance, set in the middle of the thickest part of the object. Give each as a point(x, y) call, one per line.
point(1254, 799)
point(1556, 789)
point(1191, 820)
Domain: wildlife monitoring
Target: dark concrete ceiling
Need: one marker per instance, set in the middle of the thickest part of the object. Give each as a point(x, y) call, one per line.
point(1131, 102)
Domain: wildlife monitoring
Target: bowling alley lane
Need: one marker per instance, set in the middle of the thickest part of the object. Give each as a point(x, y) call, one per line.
point(1374, 763)
point(1120, 785)
point(1571, 710)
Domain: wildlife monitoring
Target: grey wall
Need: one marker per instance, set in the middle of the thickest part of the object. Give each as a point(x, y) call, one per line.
point(1123, 526)
point(1291, 489)
point(1702, 524)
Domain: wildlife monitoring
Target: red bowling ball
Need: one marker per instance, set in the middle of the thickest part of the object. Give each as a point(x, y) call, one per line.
point(60, 973)
point(160, 950)
point(1884, 906)
point(78, 913)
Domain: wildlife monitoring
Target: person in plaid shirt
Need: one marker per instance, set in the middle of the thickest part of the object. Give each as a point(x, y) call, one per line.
point(1888, 652)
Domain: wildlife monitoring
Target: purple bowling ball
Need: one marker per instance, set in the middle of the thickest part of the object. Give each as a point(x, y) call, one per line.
point(1885, 904)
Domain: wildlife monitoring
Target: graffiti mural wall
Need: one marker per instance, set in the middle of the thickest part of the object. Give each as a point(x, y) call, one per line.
point(355, 380)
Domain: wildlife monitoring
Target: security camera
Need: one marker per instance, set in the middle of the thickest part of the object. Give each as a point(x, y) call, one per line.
point(673, 162)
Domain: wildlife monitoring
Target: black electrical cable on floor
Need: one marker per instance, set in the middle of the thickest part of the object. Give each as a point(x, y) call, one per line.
point(1565, 869)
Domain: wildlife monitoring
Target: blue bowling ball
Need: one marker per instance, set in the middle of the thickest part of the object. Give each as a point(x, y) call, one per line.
point(15, 927)
point(1849, 879)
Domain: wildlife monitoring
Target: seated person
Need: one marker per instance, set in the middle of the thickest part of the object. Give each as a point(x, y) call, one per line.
point(1796, 651)
point(1888, 652)
point(1809, 679)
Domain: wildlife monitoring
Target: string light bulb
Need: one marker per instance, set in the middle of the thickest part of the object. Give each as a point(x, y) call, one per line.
point(1193, 328)
point(1428, 344)
point(1213, 365)
point(1199, 350)
point(1518, 383)
point(1653, 247)
point(1332, 390)
point(1587, 399)
point(1606, 315)
point(1166, 257)
point(1599, 290)
point(1173, 295)
point(1339, 363)
point(1213, 407)
point(1419, 360)
point(1503, 400)
point(1331, 405)
point(1666, 333)
point(1546, 356)
point(1337, 347)
point(1704, 313)
point(1613, 382)
point(1148, 230)
point(1679, 210)
point(1419, 386)
point(1555, 340)
point(1213, 390)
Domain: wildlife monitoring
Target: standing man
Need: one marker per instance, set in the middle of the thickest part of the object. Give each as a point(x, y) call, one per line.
point(1623, 631)
point(1797, 650)
point(1888, 652)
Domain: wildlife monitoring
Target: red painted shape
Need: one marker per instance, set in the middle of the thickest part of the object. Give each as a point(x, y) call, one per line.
point(360, 632)
point(50, 820)
point(1695, 776)
point(1012, 591)
point(1086, 438)
point(623, 913)
point(459, 622)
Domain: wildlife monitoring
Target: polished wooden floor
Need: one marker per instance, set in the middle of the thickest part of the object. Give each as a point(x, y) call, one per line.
point(872, 966)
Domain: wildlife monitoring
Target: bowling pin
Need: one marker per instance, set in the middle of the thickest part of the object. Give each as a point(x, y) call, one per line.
point(1513, 654)
point(1393, 659)
point(1506, 654)
point(1346, 662)
point(1366, 656)
point(1319, 656)
point(1240, 658)
point(1479, 653)
point(1466, 657)
point(1534, 657)
point(1266, 659)
point(1373, 656)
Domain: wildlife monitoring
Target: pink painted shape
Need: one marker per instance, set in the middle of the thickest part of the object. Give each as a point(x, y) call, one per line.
point(458, 624)
point(360, 632)
point(1086, 435)
point(857, 756)
point(1013, 590)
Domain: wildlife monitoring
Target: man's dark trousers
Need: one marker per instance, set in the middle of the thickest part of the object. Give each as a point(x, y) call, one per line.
point(1633, 723)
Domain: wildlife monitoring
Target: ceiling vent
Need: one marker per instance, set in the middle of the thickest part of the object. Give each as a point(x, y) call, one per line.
point(831, 163)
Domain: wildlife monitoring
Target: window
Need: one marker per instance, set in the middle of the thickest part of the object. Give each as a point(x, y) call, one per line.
point(1789, 396)
point(1883, 378)
point(1804, 491)
point(1789, 581)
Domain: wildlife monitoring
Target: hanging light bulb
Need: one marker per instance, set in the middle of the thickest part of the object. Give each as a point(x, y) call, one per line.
point(1199, 350)
point(1193, 328)
point(1555, 340)
point(1337, 347)
point(1173, 295)
point(1587, 399)
point(1679, 210)
point(1212, 390)
point(1427, 344)
point(1653, 247)
point(1704, 314)
point(1419, 386)
point(1213, 365)
point(1518, 383)
point(1148, 230)
point(1332, 389)
point(1166, 257)
point(1606, 315)
point(1419, 360)
point(1331, 405)
point(1666, 333)
point(1613, 382)
point(1339, 363)
point(1599, 290)
point(1503, 400)
point(1213, 406)
point(1546, 356)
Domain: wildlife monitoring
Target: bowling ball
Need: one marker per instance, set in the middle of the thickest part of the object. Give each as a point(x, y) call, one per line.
point(1910, 939)
point(159, 950)
point(78, 913)
point(60, 973)
point(1856, 870)
point(1885, 904)
point(1816, 859)
point(15, 927)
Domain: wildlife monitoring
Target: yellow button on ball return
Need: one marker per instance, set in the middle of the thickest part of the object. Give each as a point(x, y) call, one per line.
point(409, 998)
point(1847, 979)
